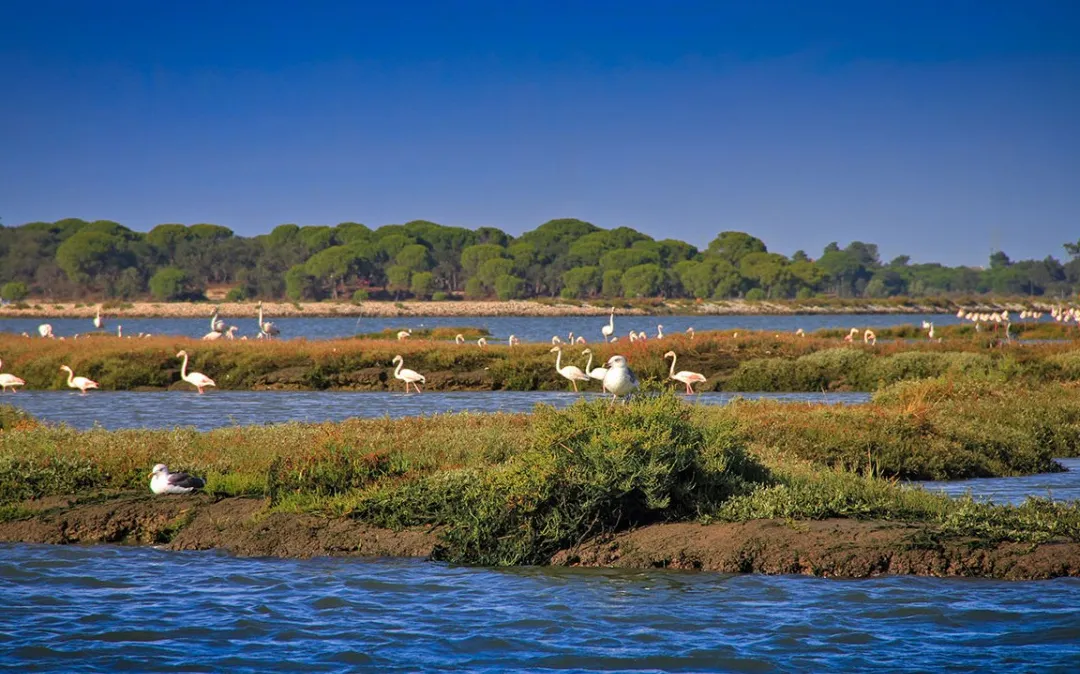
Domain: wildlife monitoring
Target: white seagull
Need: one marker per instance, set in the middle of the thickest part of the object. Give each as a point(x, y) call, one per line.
point(620, 379)
point(164, 482)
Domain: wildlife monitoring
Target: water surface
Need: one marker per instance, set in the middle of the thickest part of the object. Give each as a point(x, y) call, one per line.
point(527, 328)
point(105, 609)
point(1056, 486)
point(168, 409)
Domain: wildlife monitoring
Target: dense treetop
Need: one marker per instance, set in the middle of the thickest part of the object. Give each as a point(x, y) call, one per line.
point(73, 258)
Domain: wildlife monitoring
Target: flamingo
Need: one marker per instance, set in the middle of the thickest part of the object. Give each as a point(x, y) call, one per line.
point(228, 334)
point(555, 339)
point(800, 333)
point(402, 335)
point(459, 339)
point(609, 329)
point(164, 482)
point(642, 336)
point(216, 324)
point(659, 332)
point(571, 372)
point(9, 380)
point(930, 331)
point(851, 335)
point(620, 379)
point(690, 331)
point(482, 342)
point(685, 376)
point(45, 330)
point(513, 340)
point(580, 340)
point(267, 330)
point(869, 337)
point(98, 322)
point(81, 383)
point(597, 373)
point(196, 379)
point(407, 376)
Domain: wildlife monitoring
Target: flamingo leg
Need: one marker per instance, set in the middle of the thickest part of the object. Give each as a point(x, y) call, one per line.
point(417, 387)
point(575, 385)
point(689, 390)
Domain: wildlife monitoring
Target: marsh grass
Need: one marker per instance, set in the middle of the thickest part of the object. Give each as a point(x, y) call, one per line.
point(513, 489)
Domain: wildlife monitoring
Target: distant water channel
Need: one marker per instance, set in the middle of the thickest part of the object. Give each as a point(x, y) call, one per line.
point(168, 409)
point(1001, 490)
point(107, 609)
point(528, 328)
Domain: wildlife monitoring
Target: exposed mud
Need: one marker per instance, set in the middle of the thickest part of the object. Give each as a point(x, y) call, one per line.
point(840, 548)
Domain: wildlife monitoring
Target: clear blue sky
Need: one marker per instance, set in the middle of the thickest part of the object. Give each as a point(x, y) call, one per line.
point(935, 128)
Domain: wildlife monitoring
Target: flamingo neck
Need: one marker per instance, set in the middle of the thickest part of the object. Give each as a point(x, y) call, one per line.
point(397, 370)
point(183, 368)
point(71, 377)
point(558, 359)
point(588, 365)
point(673, 359)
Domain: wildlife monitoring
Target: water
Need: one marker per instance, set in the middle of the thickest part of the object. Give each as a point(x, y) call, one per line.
point(104, 609)
point(1058, 486)
point(527, 328)
point(168, 409)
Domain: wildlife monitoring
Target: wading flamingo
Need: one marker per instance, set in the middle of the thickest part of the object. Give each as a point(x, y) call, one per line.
point(620, 379)
point(459, 339)
point(407, 376)
point(267, 330)
point(609, 329)
point(10, 380)
point(513, 340)
point(45, 330)
point(869, 337)
point(555, 339)
point(98, 322)
point(597, 373)
point(571, 372)
point(228, 334)
point(851, 335)
point(690, 331)
point(119, 330)
point(685, 376)
point(164, 482)
point(402, 335)
point(482, 342)
point(659, 332)
point(800, 333)
point(216, 324)
point(196, 379)
point(81, 383)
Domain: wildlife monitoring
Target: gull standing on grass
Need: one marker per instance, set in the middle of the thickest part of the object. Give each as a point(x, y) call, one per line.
point(620, 379)
point(164, 482)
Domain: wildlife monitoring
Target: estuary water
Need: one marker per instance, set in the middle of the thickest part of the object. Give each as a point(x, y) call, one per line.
point(527, 328)
point(169, 409)
point(1002, 490)
point(107, 609)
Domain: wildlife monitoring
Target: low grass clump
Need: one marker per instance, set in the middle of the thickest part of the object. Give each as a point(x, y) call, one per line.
point(922, 430)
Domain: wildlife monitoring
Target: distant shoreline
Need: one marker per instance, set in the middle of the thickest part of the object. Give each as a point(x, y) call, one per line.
point(388, 309)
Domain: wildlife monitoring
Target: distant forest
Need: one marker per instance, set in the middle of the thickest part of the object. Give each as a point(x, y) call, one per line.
point(76, 259)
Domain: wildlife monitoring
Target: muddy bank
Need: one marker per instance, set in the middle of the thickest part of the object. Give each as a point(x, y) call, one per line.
point(48, 309)
point(838, 547)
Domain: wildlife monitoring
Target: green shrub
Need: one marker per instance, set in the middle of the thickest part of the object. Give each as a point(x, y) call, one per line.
point(14, 290)
point(360, 295)
point(755, 295)
point(439, 296)
point(236, 295)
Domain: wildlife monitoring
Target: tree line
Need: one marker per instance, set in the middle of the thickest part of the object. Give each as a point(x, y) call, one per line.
point(567, 258)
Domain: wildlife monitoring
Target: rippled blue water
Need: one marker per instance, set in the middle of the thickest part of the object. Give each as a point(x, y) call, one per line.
point(528, 328)
point(1058, 486)
point(167, 409)
point(105, 609)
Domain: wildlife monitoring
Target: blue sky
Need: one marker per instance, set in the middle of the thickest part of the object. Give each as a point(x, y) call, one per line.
point(937, 129)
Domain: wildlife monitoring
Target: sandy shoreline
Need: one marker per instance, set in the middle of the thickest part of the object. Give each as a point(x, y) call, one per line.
point(833, 548)
point(457, 308)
